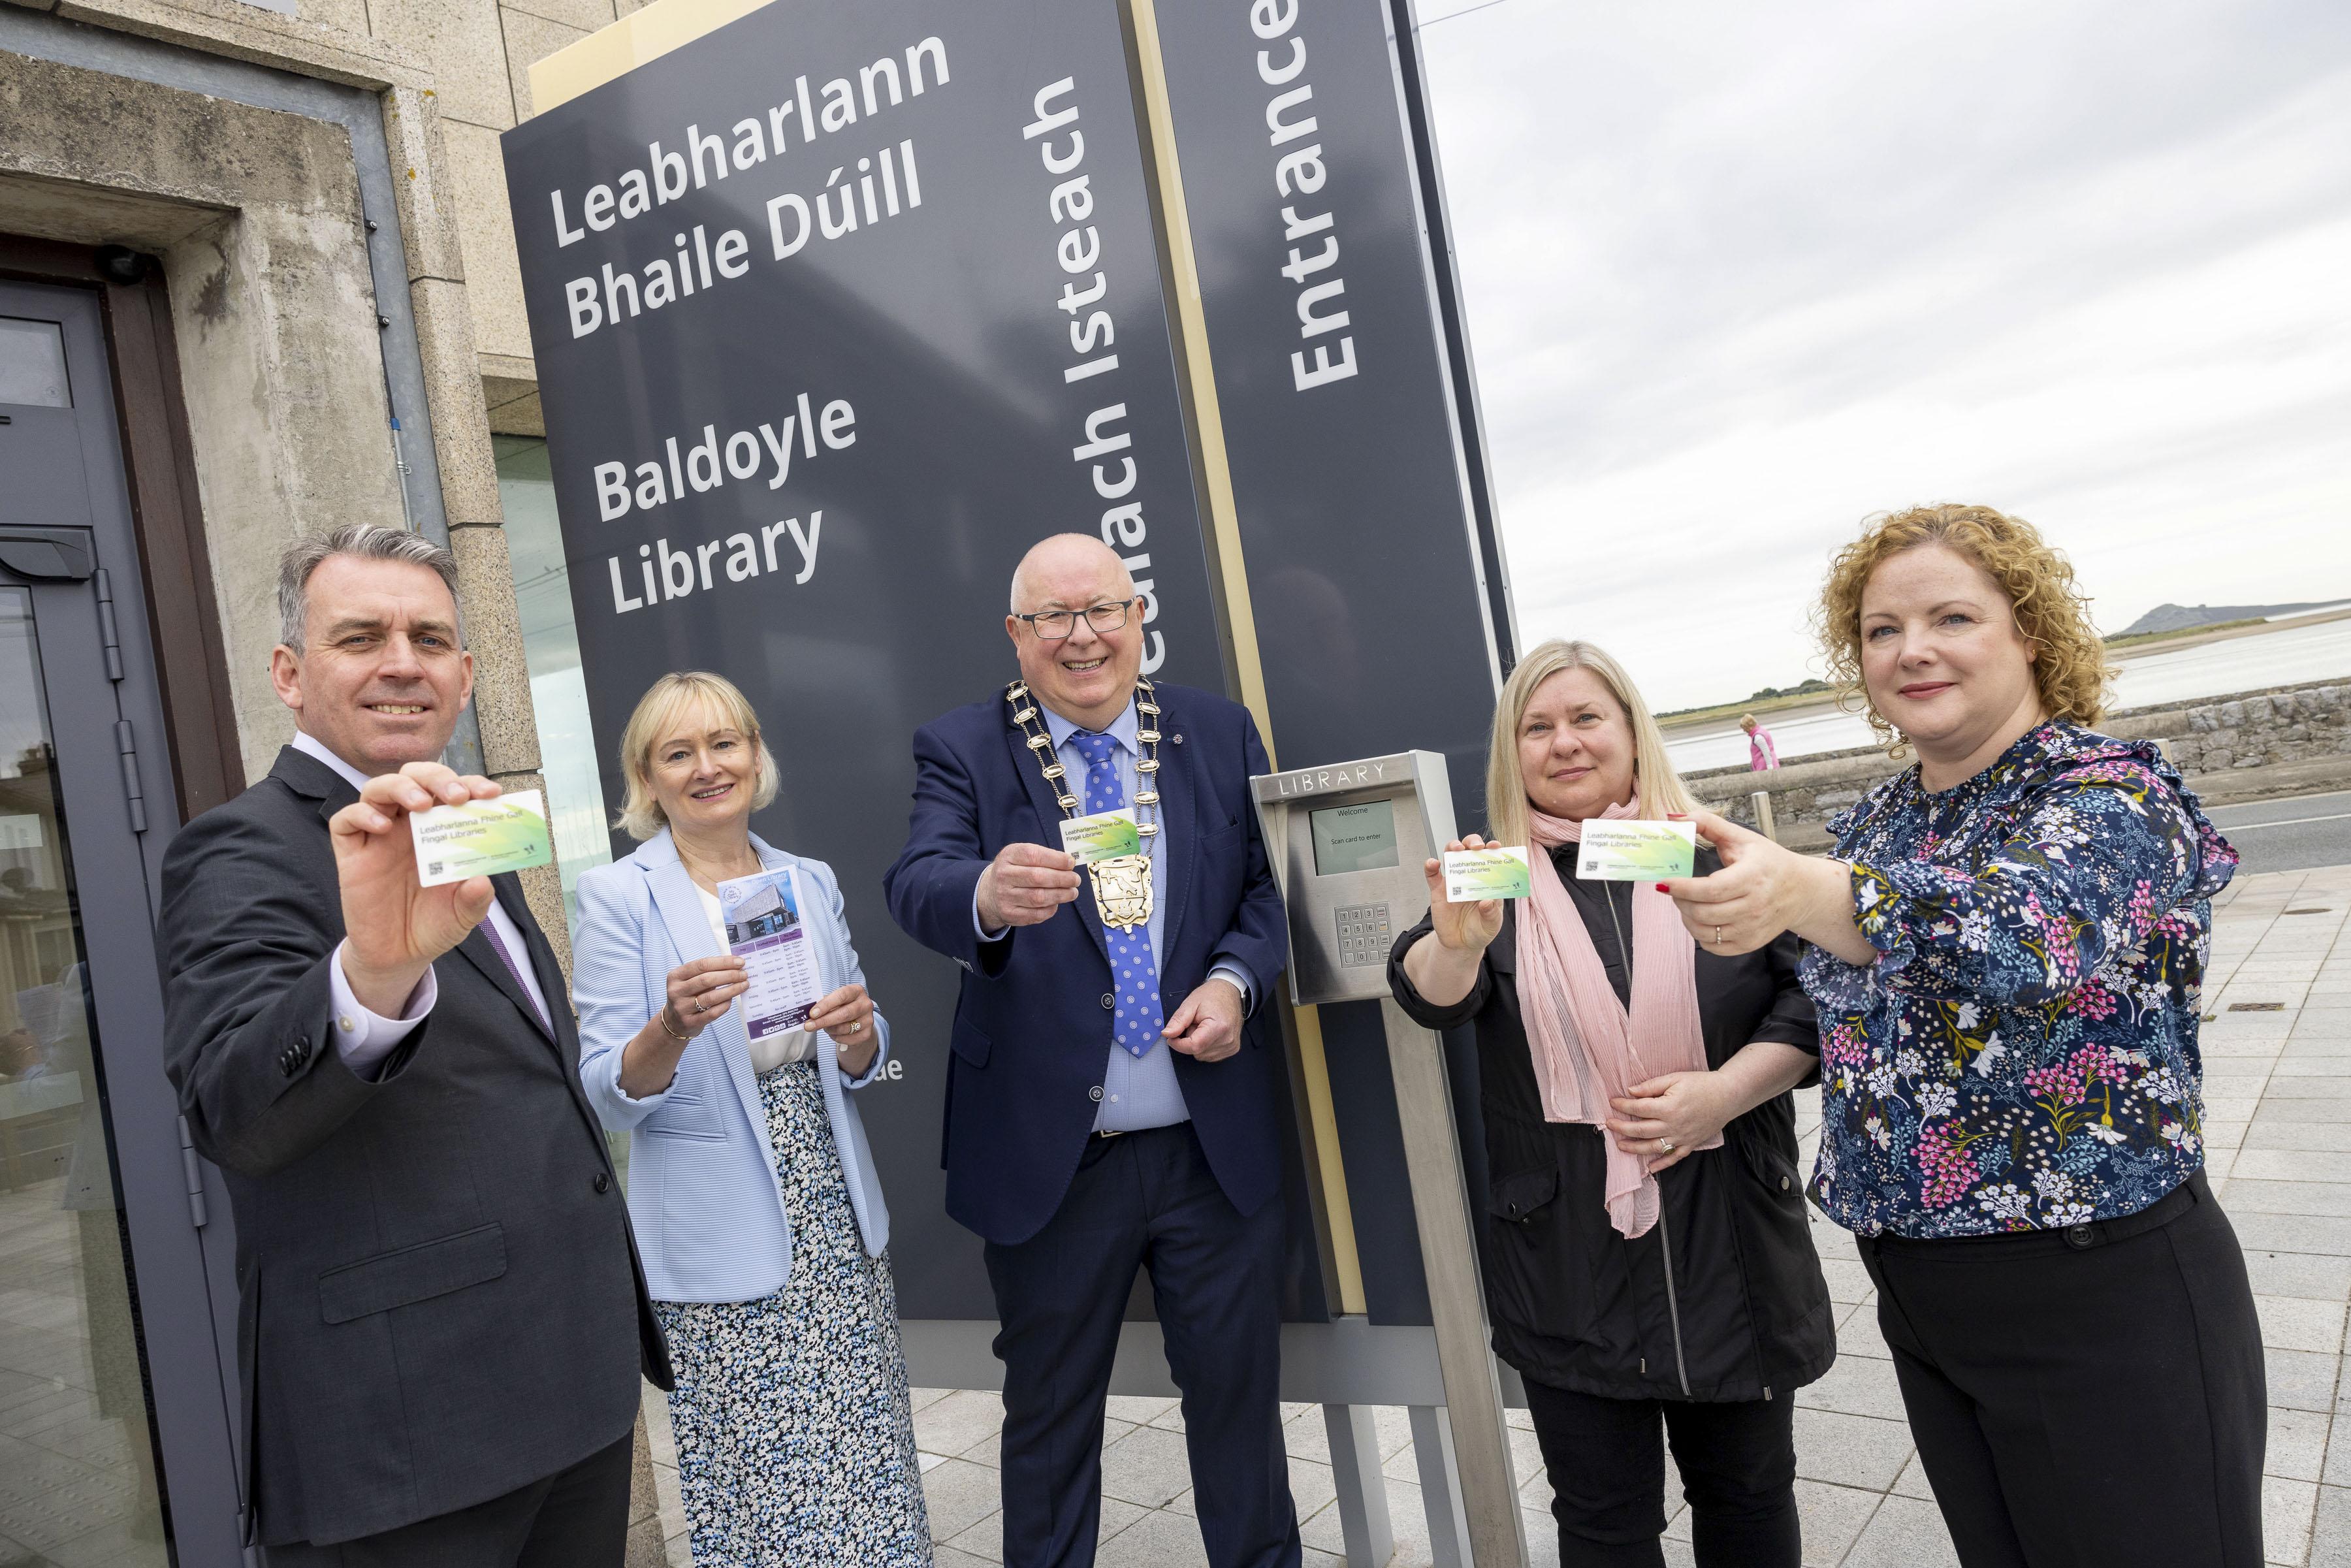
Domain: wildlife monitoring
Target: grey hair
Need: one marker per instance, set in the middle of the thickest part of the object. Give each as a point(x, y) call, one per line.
point(368, 541)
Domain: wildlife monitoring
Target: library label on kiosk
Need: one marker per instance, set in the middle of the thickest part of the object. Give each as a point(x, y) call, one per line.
point(1348, 844)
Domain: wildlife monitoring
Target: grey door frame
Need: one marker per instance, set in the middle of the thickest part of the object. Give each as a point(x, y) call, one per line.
point(112, 756)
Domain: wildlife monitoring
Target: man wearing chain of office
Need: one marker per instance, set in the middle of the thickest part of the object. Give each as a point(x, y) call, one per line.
point(1108, 1106)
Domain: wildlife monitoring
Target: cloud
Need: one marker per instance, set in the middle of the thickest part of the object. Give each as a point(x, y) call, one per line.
point(1738, 276)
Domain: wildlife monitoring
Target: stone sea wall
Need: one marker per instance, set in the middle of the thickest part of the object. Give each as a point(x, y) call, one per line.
point(2262, 728)
point(2239, 747)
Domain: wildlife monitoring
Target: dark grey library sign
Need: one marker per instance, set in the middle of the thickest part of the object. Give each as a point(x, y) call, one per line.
point(837, 310)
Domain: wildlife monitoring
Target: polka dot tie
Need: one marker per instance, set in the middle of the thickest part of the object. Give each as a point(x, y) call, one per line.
point(1136, 1017)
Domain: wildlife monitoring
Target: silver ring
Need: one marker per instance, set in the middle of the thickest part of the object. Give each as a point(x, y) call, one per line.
point(1665, 1146)
point(697, 1005)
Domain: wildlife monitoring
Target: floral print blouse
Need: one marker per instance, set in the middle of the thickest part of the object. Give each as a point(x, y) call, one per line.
point(2023, 1054)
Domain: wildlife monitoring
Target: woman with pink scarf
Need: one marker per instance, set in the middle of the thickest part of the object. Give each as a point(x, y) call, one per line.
point(1647, 1259)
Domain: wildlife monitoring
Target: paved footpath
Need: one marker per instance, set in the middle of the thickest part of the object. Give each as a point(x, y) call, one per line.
point(2278, 1121)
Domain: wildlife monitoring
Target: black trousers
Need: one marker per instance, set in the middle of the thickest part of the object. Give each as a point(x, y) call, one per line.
point(1607, 1473)
point(576, 1518)
point(1144, 1200)
point(2088, 1396)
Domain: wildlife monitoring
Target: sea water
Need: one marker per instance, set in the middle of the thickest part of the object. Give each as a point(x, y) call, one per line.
point(2291, 657)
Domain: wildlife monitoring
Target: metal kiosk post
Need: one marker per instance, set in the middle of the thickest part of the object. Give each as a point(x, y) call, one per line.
point(1347, 843)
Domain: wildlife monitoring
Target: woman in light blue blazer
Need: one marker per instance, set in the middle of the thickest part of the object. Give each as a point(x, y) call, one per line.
point(753, 1192)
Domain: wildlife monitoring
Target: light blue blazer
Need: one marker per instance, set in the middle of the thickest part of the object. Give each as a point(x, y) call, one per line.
point(703, 1191)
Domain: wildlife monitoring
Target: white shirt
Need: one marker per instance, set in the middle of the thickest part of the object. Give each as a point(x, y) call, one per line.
point(768, 1054)
point(363, 1038)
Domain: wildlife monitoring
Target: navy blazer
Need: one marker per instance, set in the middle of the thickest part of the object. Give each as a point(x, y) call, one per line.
point(1032, 1028)
point(439, 1300)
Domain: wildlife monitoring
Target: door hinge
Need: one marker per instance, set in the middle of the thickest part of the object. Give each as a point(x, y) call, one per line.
point(127, 745)
point(113, 644)
point(196, 1174)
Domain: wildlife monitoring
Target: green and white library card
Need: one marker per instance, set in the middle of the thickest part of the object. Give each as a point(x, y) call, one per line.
point(1101, 836)
point(481, 838)
point(1633, 849)
point(1499, 871)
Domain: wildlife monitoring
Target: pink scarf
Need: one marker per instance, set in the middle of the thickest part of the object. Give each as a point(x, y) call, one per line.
point(1583, 1039)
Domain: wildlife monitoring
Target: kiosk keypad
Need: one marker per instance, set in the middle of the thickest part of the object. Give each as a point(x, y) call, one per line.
point(1363, 934)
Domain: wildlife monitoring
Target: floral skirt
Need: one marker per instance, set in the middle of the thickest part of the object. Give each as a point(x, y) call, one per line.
point(795, 1432)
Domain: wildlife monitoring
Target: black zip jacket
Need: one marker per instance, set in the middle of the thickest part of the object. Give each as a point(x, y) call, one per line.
point(1723, 1299)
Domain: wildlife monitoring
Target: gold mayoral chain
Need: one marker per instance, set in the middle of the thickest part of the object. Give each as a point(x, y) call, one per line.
point(1122, 883)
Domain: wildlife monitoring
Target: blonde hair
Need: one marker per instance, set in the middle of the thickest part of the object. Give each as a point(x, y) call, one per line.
point(1661, 789)
point(641, 816)
point(2051, 614)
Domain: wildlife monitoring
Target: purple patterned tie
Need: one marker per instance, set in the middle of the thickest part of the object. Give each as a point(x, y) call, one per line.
point(497, 946)
point(1138, 1018)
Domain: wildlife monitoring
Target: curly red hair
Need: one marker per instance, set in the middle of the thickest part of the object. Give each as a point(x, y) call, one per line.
point(2052, 613)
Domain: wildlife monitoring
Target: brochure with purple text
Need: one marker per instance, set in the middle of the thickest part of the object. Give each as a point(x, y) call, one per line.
point(764, 930)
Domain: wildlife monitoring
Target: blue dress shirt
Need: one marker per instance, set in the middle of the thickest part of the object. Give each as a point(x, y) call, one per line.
point(1137, 1091)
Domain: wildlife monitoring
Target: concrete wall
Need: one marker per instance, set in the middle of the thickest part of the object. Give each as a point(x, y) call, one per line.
point(480, 53)
point(471, 59)
point(2248, 747)
point(256, 217)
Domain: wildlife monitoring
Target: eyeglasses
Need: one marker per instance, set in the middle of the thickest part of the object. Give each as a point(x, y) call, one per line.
point(1053, 626)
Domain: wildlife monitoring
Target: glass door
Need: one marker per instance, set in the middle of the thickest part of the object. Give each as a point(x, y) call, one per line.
point(77, 1456)
point(117, 1442)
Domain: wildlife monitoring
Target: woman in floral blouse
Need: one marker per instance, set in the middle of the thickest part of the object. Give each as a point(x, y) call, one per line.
point(2006, 954)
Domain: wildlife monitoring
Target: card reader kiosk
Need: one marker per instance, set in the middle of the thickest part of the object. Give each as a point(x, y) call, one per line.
point(1347, 844)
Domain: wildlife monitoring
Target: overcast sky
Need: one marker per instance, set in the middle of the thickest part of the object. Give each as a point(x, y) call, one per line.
point(1738, 276)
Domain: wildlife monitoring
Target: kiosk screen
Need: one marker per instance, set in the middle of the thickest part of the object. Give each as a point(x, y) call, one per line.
point(1354, 838)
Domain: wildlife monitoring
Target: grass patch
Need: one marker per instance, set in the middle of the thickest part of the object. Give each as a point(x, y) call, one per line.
point(2141, 639)
point(1810, 694)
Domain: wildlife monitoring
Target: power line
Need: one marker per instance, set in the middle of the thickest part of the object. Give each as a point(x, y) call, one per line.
point(1482, 6)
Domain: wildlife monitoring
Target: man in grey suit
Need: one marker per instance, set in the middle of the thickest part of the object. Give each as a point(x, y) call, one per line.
point(442, 1319)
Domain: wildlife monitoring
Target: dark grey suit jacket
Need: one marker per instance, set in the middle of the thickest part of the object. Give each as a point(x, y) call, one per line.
point(439, 1294)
